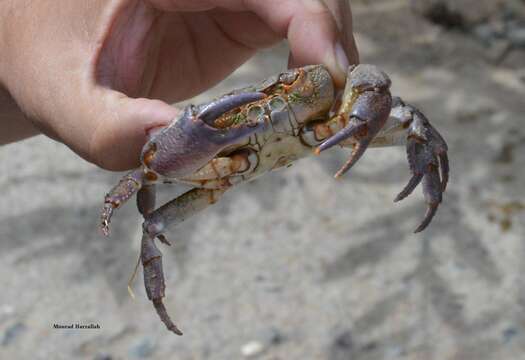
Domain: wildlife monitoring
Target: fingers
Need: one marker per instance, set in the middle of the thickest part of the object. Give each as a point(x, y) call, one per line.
point(308, 25)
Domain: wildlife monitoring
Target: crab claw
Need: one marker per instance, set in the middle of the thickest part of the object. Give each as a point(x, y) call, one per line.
point(428, 161)
point(193, 140)
point(369, 113)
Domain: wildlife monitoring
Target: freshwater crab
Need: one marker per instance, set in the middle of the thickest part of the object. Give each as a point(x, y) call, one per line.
point(250, 131)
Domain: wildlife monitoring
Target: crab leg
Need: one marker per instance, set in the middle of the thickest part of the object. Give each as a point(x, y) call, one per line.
point(154, 279)
point(428, 161)
point(172, 213)
point(126, 188)
point(146, 199)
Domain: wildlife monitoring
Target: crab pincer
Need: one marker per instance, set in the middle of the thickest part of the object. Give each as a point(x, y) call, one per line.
point(428, 161)
point(367, 115)
point(193, 140)
point(182, 147)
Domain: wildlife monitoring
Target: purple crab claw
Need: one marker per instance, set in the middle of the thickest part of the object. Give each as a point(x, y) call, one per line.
point(369, 113)
point(354, 127)
point(192, 140)
point(428, 161)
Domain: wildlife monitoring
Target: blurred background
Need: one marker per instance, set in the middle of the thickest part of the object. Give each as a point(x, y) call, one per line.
point(296, 265)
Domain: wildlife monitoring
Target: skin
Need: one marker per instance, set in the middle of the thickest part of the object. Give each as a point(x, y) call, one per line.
point(99, 75)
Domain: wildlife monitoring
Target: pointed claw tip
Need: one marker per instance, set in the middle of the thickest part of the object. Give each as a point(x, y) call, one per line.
point(342, 171)
point(420, 228)
point(176, 331)
point(164, 240)
point(227, 103)
point(317, 151)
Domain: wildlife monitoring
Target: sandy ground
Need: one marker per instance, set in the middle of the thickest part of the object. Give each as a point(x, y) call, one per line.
point(294, 265)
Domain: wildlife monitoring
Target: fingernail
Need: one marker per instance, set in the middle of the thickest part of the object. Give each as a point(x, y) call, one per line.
point(341, 58)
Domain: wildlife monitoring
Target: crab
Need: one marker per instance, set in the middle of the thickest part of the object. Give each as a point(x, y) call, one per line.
point(248, 132)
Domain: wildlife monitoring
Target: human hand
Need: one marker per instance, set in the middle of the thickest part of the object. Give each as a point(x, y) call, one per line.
point(98, 75)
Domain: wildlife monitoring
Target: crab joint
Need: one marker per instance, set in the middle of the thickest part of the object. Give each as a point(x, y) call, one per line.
point(149, 154)
point(151, 176)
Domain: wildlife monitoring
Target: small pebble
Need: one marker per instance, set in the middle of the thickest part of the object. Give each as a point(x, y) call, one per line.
point(252, 348)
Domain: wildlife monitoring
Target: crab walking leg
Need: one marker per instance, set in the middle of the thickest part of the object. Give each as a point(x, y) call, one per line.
point(146, 204)
point(428, 161)
point(172, 213)
point(146, 199)
point(152, 257)
point(126, 188)
point(154, 279)
point(179, 209)
point(426, 153)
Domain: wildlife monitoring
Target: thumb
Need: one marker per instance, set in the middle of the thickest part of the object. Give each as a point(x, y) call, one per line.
point(120, 134)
